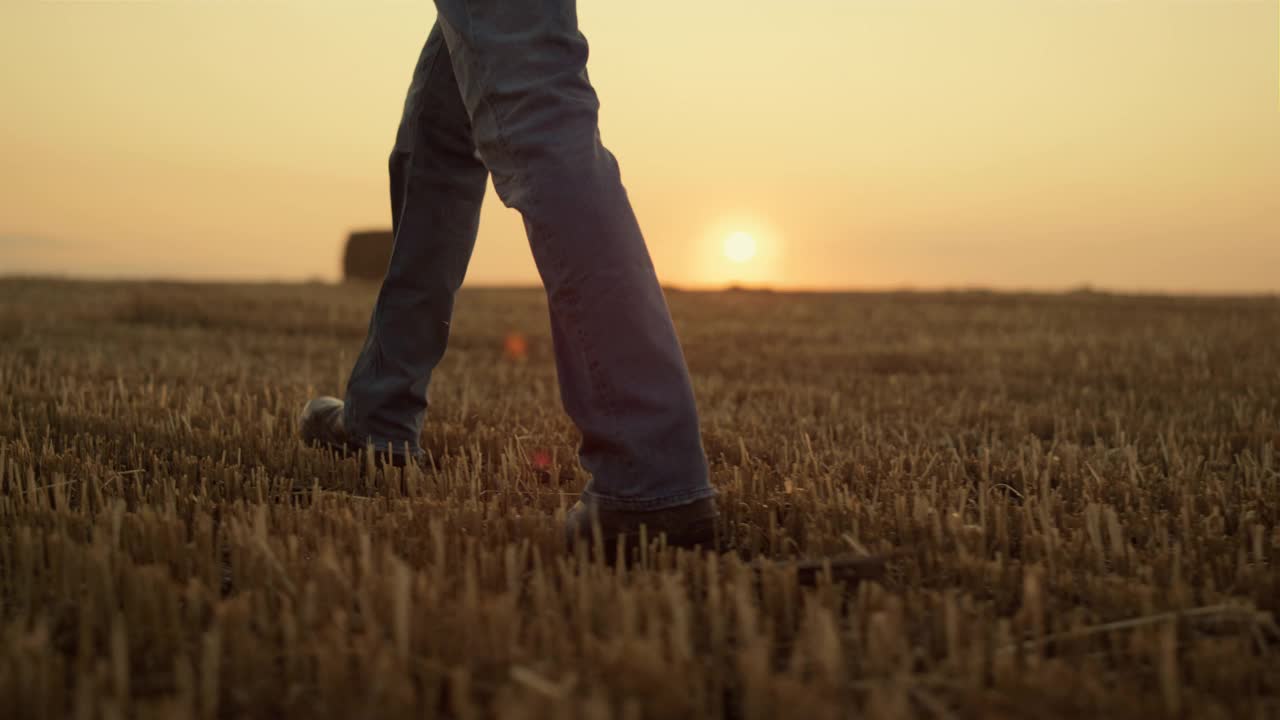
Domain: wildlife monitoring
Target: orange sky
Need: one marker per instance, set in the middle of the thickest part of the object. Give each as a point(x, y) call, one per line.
point(863, 143)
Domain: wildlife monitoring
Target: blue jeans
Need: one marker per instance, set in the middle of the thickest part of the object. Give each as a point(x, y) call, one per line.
point(501, 87)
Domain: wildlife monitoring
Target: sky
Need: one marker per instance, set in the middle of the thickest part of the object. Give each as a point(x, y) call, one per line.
point(1029, 144)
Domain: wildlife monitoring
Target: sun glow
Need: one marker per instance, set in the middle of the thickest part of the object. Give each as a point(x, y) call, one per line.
point(739, 247)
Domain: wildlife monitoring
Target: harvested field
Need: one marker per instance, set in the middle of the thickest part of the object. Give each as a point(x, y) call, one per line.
point(1082, 493)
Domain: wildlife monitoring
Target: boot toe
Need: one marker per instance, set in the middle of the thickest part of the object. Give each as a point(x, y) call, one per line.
point(321, 422)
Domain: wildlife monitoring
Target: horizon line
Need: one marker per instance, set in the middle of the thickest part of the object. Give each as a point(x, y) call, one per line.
point(1083, 288)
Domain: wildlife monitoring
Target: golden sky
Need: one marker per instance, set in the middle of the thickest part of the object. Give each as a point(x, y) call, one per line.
point(861, 143)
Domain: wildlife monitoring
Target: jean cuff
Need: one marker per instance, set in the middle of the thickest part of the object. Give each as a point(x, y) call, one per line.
point(382, 447)
point(605, 502)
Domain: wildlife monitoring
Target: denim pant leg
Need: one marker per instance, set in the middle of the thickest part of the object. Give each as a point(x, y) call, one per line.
point(521, 69)
point(437, 186)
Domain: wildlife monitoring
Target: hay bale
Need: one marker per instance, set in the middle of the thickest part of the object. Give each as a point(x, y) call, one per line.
point(367, 255)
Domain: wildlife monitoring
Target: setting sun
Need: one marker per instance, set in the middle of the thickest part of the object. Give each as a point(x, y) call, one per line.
point(739, 247)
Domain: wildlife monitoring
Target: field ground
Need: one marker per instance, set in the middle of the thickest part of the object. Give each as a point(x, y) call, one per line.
point(1083, 492)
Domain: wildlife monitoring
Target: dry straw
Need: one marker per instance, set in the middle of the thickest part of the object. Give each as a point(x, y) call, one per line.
point(1081, 493)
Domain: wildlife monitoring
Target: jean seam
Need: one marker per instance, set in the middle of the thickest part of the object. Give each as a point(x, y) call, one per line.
point(599, 385)
point(373, 351)
point(415, 115)
point(375, 345)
